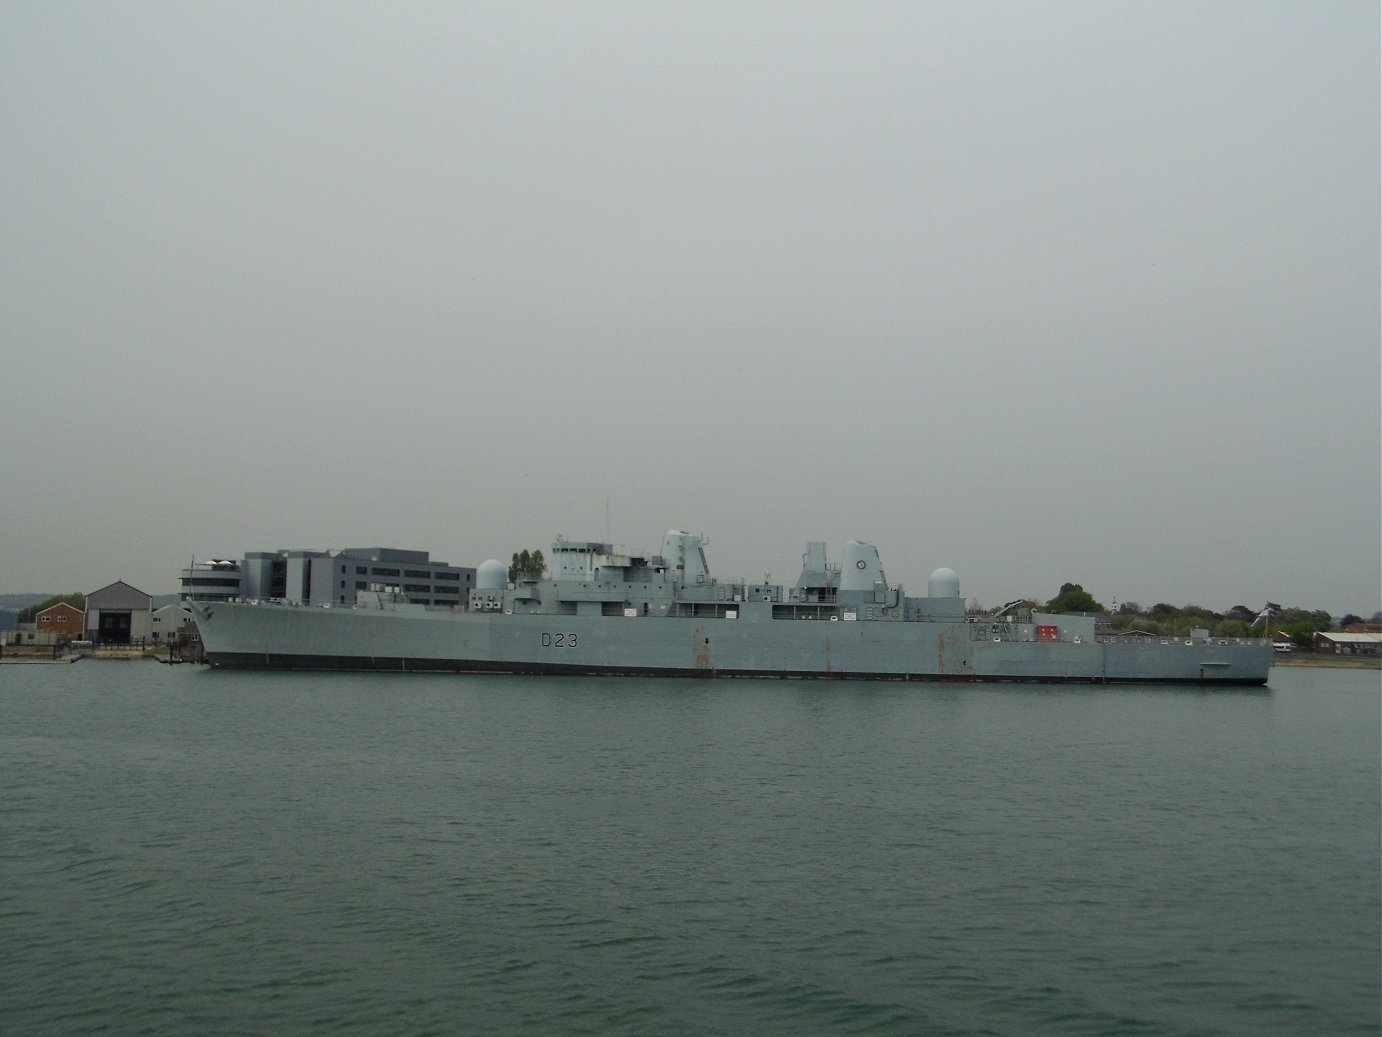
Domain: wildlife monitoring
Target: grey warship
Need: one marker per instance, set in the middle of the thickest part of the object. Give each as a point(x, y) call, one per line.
point(606, 613)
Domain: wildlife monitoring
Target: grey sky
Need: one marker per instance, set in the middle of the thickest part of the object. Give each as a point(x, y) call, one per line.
point(1038, 291)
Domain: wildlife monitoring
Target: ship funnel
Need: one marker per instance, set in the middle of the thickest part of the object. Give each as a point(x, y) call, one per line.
point(861, 569)
point(685, 551)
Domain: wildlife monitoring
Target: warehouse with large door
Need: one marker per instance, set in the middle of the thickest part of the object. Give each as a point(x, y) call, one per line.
point(119, 614)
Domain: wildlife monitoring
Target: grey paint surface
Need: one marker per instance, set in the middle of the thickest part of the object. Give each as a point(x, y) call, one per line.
point(635, 615)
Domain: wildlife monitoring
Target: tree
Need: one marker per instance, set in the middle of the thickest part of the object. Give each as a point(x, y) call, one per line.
point(1301, 632)
point(1073, 598)
point(1199, 614)
point(527, 565)
point(1318, 619)
point(1232, 628)
point(30, 614)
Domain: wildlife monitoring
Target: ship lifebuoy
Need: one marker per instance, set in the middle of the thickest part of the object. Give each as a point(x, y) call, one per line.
point(861, 564)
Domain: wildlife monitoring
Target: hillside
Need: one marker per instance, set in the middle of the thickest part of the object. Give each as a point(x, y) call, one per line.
point(15, 602)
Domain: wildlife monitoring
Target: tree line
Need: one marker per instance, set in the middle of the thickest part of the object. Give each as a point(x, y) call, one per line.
point(1167, 620)
point(30, 613)
point(1162, 619)
point(527, 565)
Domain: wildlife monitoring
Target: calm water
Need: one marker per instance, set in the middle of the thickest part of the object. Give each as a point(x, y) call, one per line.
point(188, 851)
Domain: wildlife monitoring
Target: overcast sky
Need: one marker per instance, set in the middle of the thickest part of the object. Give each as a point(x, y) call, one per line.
point(1043, 292)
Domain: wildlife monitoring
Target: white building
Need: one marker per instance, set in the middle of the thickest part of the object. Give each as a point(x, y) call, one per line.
point(168, 622)
point(329, 577)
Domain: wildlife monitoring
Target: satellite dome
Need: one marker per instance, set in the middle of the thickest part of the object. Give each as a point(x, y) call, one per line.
point(943, 583)
point(493, 575)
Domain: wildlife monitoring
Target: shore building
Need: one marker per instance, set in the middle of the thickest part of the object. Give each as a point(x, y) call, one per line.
point(328, 577)
point(170, 621)
point(63, 621)
point(118, 614)
point(1336, 643)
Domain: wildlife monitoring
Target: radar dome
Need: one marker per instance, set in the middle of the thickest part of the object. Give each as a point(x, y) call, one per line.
point(493, 575)
point(943, 583)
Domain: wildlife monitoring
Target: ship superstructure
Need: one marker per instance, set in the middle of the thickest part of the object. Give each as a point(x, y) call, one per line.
point(599, 611)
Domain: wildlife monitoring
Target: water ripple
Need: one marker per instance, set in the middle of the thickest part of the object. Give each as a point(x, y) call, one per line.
point(304, 854)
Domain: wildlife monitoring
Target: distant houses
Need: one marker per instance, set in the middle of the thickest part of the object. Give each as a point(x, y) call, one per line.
point(61, 622)
point(1348, 643)
point(171, 622)
point(117, 614)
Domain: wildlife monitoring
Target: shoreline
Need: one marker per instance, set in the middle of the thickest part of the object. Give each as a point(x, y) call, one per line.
point(14, 655)
point(1337, 662)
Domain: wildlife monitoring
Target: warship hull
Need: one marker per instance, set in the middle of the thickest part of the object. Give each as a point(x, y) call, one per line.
point(749, 643)
point(606, 613)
